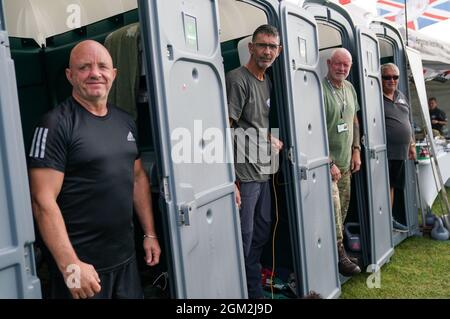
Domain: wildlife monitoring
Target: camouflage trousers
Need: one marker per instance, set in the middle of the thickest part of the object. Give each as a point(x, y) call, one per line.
point(341, 191)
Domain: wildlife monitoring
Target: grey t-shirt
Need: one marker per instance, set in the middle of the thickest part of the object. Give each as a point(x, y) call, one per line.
point(398, 126)
point(249, 106)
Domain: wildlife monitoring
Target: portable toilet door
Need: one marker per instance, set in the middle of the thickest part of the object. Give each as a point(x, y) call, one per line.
point(315, 237)
point(370, 195)
point(375, 146)
point(406, 206)
point(185, 73)
point(17, 265)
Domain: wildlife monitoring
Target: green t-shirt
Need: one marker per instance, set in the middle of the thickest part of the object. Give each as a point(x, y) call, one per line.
point(341, 105)
point(249, 106)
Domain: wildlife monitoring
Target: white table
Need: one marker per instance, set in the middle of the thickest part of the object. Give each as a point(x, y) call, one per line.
point(427, 183)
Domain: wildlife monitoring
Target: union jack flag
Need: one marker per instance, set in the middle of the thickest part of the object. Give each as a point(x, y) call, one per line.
point(420, 13)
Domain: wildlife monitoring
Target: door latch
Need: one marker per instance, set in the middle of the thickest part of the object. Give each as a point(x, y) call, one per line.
point(303, 172)
point(183, 218)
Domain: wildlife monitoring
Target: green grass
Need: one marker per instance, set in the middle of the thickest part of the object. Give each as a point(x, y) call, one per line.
point(439, 208)
point(419, 268)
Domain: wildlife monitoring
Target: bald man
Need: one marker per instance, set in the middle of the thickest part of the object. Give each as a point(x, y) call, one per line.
point(85, 175)
point(341, 105)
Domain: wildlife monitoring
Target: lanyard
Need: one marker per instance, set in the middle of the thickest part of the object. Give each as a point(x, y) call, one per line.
point(341, 99)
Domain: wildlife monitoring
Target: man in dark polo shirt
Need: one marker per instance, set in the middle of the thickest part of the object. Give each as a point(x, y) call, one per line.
point(399, 133)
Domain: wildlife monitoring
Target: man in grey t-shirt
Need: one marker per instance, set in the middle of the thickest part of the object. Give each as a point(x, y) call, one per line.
point(248, 93)
point(400, 139)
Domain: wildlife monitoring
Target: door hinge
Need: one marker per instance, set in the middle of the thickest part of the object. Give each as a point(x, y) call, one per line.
point(183, 218)
point(303, 172)
point(169, 52)
point(290, 155)
point(4, 40)
point(165, 189)
point(363, 140)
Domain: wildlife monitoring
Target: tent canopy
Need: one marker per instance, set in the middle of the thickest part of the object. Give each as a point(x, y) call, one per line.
point(41, 19)
point(427, 32)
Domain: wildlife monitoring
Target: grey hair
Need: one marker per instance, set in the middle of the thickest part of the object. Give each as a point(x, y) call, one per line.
point(390, 66)
point(265, 29)
point(343, 51)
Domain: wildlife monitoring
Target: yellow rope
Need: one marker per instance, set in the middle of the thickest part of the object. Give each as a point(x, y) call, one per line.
point(274, 235)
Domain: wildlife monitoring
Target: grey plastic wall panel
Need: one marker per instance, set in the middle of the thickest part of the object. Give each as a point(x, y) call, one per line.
point(197, 108)
point(315, 221)
point(382, 240)
point(181, 40)
point(411, 198)
point(17, 269)
point(10, 282)
point(377, 170)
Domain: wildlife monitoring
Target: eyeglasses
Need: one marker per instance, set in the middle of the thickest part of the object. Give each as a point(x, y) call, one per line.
point(271, 47)
point(390, 77)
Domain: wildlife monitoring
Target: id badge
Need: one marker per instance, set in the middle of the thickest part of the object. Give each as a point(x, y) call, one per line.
point(342, 127)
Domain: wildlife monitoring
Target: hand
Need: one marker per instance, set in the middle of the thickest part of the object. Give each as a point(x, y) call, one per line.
point(412, 155)
point(356, 161)
point(152, 251)
point(238, 196)
point(82, 280)
point(335, 173)
point(277, 145)
point(434, 121)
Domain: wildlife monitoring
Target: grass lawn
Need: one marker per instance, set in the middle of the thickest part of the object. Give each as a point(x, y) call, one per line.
point(419, 268)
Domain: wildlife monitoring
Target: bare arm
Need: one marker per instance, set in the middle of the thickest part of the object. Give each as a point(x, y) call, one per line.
point(143, 206)
point(356, 148)
point(237, 192)
point(45, 184)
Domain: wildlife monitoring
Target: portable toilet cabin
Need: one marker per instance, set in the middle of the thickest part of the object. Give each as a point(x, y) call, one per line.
point(18, 278)
point(187, 48)
point(198, 222)
point(304, 240)
point(369, 206)
point(392, 49)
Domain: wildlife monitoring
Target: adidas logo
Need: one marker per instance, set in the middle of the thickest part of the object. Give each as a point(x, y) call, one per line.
point(130, 137)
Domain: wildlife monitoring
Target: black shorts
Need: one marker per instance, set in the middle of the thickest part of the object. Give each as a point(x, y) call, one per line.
point(397, 174)
point(122, 282)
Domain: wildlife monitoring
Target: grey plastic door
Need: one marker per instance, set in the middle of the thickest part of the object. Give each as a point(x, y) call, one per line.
point(17, 267)
point(372, 109)
point(391, 35)
point(181, 41)
point(309, 153)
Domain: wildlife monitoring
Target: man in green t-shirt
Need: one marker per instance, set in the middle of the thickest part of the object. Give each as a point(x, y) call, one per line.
point(341, 105)
point(248, 95)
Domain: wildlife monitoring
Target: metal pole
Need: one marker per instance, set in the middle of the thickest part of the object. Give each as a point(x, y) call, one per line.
point(422, 207)
point(2, 18)
point(406, 21)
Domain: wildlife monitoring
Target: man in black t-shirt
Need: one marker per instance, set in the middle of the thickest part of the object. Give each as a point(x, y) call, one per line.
point(85, 176)
point(437, 116)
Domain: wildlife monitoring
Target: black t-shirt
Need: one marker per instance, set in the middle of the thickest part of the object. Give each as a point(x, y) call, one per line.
point(97, 156)
point(437, 114)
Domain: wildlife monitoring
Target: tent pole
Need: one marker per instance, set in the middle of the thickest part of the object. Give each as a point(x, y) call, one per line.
point(406, 21)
